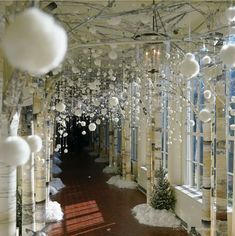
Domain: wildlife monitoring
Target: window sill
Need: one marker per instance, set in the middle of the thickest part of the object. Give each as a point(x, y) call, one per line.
point(194, 194)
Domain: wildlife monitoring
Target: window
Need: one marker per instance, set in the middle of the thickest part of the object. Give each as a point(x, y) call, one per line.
point(194, 160)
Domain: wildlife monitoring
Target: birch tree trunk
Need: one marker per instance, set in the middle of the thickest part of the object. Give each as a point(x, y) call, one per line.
point(115, 147)
point(110, 144)
point(7, 177)
point(149, 163)
point(27, 173)
point(40, 176)
point(221, 162)
point(206, 182)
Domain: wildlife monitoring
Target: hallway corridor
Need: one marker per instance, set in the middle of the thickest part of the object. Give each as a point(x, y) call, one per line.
point(94, 208)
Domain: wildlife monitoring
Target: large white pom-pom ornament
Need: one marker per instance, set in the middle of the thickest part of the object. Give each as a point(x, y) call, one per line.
point(189, 66)
point(15, 151)
point(60, 107)
point(34, 42)
point(113, 101)
point(204, 115)
point(207, 94)
point(230, 13)
point(227, 54)
point(35, 143)
point(92, 127)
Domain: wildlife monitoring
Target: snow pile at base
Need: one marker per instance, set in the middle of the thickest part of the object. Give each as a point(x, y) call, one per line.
point(56, 170)
point(56, 185)
point(93, 154)
point(110, 170)
point(57, 161)
point(120, 183)
point(101, 160)
point(147, 215)
point(53, 212)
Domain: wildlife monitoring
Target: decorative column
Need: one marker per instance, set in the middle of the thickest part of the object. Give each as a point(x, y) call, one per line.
point(157, 141)
point(206, 182)
point(40, 176)
point(110, 144)
point(7, 175)
point(27, 173)
point(115, 146)
point(149, 162)
point(221, 162)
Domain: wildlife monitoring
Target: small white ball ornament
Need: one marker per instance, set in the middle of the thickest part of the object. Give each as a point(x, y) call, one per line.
point(92, 127)
point(78, 112)
point(15, 151)
point(65, 150)
point(113, 55)
point(227, 54)
point(206, 60)
point(34, 42)
point(204, 115)
point(83, 123)
point(207, 94)
point(232, 127)
point(189, 66)
point(60, 107)
point(104, 111)
point(35, 143)
point(98, 121)
point(192, 122)
point(113, 101)
point(83, 132)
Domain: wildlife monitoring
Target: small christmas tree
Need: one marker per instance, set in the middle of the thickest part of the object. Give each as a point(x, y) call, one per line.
point(162, 196)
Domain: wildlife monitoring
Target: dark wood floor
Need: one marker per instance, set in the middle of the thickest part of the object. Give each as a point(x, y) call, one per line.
point(94, 208)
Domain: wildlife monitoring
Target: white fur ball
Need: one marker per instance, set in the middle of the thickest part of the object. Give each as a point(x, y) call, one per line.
point(207, 94)
point(113, 101)
point(189, 66)
point(227, 54)
point(206, 60)
point(60, 107)
point(92, 127)
point(15, 151)
point(83, 132)
point(34, 42)
point(204, 115)
point(35, 143)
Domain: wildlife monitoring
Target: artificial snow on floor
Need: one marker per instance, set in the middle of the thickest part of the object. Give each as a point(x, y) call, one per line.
point(110, 170)
point(53, 212)
point(56, 185)
point(101, 160)
point(56, 170)
point(120, 183)
point(147, 215)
